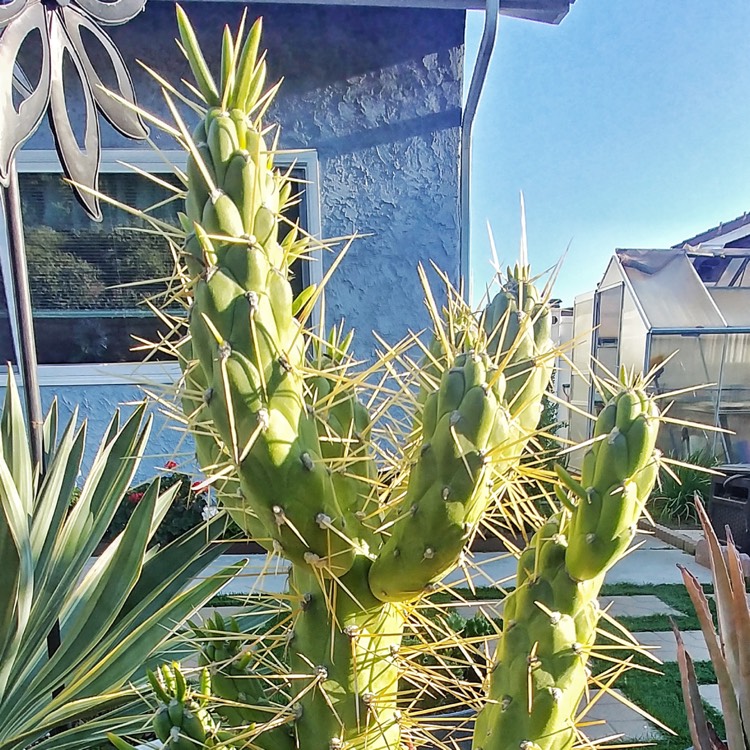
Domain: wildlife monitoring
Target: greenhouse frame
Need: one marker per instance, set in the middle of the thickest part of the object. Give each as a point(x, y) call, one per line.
point(684, 315)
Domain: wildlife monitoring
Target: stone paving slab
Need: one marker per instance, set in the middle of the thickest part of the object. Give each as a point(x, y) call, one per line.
point(665, 646)
point(639, 605)
point(655, 562)
point(613, 718)
point(710, 694)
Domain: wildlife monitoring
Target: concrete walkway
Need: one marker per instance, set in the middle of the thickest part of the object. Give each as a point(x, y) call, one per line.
point(652, 562)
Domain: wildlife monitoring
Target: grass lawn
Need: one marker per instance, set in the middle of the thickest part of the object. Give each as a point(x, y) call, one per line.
point(661, 696)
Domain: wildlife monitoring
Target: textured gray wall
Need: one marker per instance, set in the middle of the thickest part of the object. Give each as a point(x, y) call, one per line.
point(377, 92)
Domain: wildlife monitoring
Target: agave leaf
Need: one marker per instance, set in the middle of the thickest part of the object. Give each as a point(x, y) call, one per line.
point(129, 718)
point(723, 591)
point(163, 574)
point(59, 482)
point(113, 660)
point(111, 473)
point(18, 596)
point(163, 504)
point(49, 436)
point(15, 444)
point(741, 624)
point(113, 620)
point(101, 593)
point(730, 709)
point(696, 716)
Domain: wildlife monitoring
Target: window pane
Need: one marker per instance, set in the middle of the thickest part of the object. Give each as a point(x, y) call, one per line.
point(84, 276)
point(87, 279)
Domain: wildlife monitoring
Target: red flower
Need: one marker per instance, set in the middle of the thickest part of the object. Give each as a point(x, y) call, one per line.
point(135, 497)
point(170, 465)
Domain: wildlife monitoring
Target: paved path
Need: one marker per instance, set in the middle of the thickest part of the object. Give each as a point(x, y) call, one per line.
point(653, 562)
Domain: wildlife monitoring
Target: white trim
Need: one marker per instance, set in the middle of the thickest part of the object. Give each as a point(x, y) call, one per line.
point(117, 161)
point(121, 373)
point(113, 160)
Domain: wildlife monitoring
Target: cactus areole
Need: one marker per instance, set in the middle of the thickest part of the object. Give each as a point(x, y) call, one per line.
point(282, 430)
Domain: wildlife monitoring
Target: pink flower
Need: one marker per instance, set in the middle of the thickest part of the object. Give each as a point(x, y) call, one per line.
point(170, 465)
point(135, 497)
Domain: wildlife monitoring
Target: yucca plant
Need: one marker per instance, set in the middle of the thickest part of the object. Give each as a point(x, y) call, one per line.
point(114, 614)
point(728, 645)
point(373, 481)
point(674, 497)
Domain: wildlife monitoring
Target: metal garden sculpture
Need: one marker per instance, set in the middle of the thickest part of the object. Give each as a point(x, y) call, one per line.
point(55, 27)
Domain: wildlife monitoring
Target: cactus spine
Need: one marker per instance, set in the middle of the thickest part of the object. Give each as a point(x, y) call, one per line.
point(550, 619)
point(290, 444)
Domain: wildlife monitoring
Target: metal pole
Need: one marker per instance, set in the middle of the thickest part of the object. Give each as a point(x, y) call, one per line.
point(27, 355)
point(22, 296)
point(478, 78)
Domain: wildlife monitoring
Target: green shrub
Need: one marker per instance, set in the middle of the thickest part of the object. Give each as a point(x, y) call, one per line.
point(673, 498)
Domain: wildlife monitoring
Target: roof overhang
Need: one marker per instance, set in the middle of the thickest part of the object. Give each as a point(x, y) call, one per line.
point(546, 11)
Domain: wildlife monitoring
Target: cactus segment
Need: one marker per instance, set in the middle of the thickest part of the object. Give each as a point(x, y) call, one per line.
point(372, 515)
point(345, 640)
point(550, 619)
point(448, 488)
point(517, 323)
point(475, 426)
point(238, 684)
point(181, 721)
point(247, 348)
point(619, 471)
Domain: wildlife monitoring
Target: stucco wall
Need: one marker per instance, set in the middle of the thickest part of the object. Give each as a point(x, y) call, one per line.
point(377, 92)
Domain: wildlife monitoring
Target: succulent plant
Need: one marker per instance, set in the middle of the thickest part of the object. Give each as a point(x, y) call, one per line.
point(727, 644)
point(280, 420)
point(115, 614)
point(551, 617)
point(371, 482)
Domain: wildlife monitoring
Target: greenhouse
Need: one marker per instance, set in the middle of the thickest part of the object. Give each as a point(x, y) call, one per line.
point(684, 314)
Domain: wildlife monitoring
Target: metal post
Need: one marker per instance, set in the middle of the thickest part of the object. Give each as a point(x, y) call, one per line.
point(22, 297)
point(27, 355)
point(476, 85)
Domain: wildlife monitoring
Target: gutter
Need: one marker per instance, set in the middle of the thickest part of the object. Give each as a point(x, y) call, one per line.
point(476, 86)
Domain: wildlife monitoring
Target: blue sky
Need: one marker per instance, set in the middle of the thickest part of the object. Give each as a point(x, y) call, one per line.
point(626, 126)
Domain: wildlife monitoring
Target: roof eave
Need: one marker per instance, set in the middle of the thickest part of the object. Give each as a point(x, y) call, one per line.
point(544, 11)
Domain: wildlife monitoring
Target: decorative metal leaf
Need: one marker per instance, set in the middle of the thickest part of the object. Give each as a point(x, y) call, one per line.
point(112, 13)
point(18, 123)
point(122, 117)
point(11, 10)
point(81, 164)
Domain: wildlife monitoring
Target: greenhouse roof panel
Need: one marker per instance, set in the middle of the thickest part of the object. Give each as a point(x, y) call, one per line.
point(668, 289)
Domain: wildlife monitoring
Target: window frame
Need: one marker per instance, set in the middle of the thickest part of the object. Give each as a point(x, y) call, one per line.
point(118, 161)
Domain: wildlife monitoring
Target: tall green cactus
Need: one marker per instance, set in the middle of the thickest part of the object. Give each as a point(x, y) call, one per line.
point(282, 430)
point(550, 619)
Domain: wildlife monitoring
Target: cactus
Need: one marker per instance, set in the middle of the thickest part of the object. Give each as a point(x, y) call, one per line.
point(371, 484)
point(551, 617)
point(280, 424)
point(182, 720)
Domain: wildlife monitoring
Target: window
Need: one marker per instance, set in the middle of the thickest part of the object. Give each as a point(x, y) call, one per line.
point(87, 278)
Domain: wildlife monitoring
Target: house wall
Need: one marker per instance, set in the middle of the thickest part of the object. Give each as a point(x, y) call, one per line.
point(377, 92)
